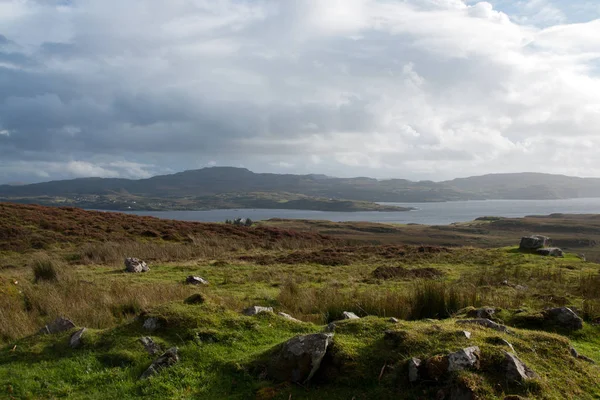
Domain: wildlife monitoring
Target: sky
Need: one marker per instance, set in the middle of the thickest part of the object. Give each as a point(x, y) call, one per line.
point(415, 89)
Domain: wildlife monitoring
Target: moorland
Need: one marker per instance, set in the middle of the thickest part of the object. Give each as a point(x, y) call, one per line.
point(412, 288)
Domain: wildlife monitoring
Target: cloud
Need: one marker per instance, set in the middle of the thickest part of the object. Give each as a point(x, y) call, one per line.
point(421, 89)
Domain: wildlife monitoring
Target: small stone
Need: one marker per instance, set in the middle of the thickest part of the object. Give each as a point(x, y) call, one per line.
point(60, 324)
point(256, 310)
point(168, 359)
point(520, 287)
point(413, 369)
point(515, 370)
point(151, 324)
point(349, 315)
point(135, 265)
point(76, 338)
point(288, 317)
point(330, 327)
point(393, 320)
point(151, 347)
point(195, 280)
point(464, 334)
point(464, 359)
point(576, 354)
point(484, 322)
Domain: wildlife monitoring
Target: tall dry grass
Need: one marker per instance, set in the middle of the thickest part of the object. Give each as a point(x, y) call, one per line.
point(26, 307)
point(425, 299)
point(113, 253)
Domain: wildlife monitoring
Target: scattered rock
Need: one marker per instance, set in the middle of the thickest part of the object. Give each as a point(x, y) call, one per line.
point(60, 324)
point(196, 298)
point(414, 364)
point(564, 317)
point(330, 327)
point(515, 370)
point(135, 265)
point(168, 359)
point(151, 347)
point(76, 338)
point(256, 310)
point(484, 312)
point(349, 315)
point(464, 359)
point(299, 358)
point(484, 322)
point(288, 317)
point(151, 324)
point(393, 320)
point(195, 280)
point(464, 334)
point(576, 354)
point(550, 251)
point(520, 287)
point(534, 242)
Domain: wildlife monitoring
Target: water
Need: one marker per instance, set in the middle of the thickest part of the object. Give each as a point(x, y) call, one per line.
point(425, 213)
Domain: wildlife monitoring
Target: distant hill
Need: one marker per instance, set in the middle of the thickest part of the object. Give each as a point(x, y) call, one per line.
point(528, 185)
point(228, 187)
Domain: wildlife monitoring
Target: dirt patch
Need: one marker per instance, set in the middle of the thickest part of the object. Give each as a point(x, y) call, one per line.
point(405, 273)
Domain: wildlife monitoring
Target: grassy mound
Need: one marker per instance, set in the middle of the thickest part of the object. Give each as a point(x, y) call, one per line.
point(222, 352)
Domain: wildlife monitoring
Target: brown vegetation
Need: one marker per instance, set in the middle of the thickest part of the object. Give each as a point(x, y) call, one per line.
point(25, 227)
point(404, 273)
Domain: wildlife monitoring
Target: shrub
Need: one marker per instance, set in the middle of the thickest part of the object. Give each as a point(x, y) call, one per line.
point(45, 269)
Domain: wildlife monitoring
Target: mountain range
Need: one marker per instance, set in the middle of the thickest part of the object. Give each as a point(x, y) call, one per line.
point(228, 187)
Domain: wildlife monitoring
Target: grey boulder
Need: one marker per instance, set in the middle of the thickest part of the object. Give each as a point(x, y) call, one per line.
point(288, 317)
point(550, 251)
point(534, 242)
point(60, 324)
point(515, 370)
point(464, 359)
point(299, 358)
point(564, 317)
point(133, 264)
point(256, 310)
point(195, 280)
point(484, 312)
point(151, 324)
point(76, 339)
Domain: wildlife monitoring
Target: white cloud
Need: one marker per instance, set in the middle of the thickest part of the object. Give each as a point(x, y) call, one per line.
point(415, 88)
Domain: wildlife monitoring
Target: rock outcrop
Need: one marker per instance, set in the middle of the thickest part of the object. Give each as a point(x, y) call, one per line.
point(534, 242)
point(256, 310)
point(166, 360)
point(461, 360)
point(437, 367)
point(60, 324)
point(76, 339)
point(135, 265)
point(564, 318)
point(515, 370)
point(299, 358)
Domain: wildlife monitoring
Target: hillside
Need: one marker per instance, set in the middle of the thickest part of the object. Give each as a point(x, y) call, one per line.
point(201, 345)
point(227, 187)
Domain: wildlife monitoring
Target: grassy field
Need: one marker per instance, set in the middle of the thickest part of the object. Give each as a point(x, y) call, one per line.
point(310, 275)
